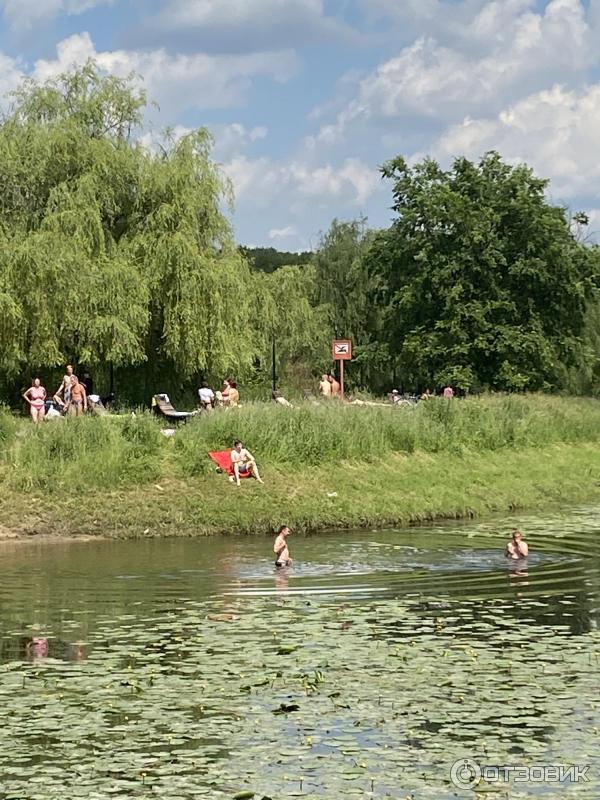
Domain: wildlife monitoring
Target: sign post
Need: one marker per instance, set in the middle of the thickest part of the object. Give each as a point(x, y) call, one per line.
point(341, 351)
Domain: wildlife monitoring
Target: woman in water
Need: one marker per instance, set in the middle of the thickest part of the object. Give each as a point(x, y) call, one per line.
point(36, 397)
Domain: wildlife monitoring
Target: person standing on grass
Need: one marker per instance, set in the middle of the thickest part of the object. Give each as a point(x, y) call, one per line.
point(207, 397)
point(449, 392)
point(36, 397)
point(234, 395)
point(281, 549)
point(62, 398)
point(517, 547)
point(78, 404)
point(243, 462)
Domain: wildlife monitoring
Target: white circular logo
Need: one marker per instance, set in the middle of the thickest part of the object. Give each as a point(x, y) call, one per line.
point(465, 773)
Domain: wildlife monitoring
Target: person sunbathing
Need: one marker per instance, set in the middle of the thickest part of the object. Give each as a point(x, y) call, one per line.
point(243, 463)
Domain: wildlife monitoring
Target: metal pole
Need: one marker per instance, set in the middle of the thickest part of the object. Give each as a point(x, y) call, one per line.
point(342, 378)
point(274, 366)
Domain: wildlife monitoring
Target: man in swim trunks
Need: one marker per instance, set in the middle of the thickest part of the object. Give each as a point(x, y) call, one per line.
point(517, 547)
point(78, 402)
point(243, 462)
point(280, 548)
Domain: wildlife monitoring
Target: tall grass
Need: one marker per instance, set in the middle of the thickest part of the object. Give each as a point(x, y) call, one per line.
point(84, 453)
point(107, 453)
point(328, 433)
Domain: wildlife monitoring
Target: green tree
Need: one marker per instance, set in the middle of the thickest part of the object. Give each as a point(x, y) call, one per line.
point(480, 280)
point(268, 259)
point(343, 286)
point(287, 314)
point(109, 252)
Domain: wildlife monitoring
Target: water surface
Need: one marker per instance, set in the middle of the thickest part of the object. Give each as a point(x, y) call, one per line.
point(187, 668)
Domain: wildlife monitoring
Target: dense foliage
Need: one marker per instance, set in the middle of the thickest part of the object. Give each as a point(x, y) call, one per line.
point(111, 253)
point(481, 281)
point(268, 259)
point(114, 254)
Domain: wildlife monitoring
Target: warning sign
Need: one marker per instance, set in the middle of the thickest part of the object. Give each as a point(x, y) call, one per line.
point(342, 350)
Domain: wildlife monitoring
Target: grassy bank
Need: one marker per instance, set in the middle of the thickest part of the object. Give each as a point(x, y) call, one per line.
point(324, 466)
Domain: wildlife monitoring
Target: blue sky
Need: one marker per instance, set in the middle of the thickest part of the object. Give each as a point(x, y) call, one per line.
point(306, 98)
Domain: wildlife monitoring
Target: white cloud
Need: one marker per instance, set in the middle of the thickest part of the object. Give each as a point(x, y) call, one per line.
point(431, 83)
point(26, 14)
point(234, 139)
point(241, 25)
point(283, 233)
point(268, 181)
point(176, 82)
point(11, 76)
point(556, 131)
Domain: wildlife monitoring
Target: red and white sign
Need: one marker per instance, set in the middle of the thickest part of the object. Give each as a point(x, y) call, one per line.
point(342, 350)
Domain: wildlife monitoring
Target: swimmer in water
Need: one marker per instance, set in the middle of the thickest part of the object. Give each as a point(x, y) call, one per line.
point(280, 548)
point(517, 547)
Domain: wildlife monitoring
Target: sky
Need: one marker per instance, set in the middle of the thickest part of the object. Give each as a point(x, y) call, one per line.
point(307, 98)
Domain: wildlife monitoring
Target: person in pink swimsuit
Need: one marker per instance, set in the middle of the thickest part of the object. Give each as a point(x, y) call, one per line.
point(36, 397)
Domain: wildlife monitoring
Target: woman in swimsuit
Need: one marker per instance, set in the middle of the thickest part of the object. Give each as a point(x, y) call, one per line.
point(36, 397)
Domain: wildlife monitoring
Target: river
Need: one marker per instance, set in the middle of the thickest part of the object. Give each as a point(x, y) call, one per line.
point(384, 664)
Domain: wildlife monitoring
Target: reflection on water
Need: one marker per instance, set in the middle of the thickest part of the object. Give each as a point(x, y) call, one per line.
point(193, 667)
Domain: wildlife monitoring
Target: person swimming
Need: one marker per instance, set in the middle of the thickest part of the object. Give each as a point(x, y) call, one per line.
point(281, 549)
point(517, 547)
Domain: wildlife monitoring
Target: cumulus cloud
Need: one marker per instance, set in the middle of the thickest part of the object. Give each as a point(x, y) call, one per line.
point(11, 76)
point(26, 14)
point(268, 181)
point(430, 82)
point(233, 139)
point(556, 131)
point(241, 25)
point(175, 82)
point(283, 233)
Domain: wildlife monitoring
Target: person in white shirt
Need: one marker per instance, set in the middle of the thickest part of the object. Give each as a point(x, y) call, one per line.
point(207, 396)
point(243, 462)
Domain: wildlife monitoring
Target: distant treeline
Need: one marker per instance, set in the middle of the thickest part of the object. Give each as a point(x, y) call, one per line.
point(268, 259)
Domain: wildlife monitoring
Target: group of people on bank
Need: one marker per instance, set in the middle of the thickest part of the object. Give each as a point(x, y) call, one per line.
point(70, 398)
point(228, 396)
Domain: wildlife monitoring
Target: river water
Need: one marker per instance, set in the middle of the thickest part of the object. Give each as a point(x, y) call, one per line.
point(393, 663)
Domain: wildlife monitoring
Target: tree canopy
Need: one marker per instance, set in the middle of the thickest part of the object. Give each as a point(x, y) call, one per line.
point(480, 280)
point(109, 251)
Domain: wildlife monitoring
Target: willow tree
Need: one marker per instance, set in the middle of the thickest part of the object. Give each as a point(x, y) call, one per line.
point(290, 325)
point(108, 251)
point(67, 173)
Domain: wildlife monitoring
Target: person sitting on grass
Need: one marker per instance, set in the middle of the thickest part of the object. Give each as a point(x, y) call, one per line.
point(243, 462)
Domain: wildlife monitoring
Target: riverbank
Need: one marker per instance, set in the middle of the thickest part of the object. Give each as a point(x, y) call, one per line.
point(122, 478)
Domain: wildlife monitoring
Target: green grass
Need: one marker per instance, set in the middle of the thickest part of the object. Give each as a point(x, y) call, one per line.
point(325, 465)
